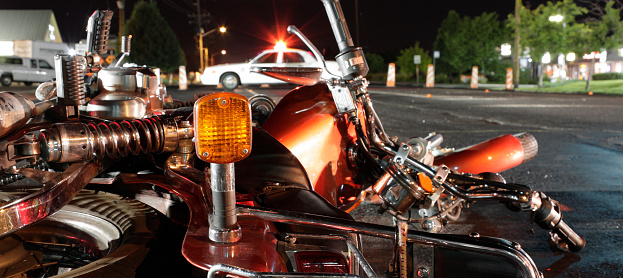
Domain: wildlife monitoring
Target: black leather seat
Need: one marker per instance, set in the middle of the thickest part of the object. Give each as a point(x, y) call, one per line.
point(276, 179)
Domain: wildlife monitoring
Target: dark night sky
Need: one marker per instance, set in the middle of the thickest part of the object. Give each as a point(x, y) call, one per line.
point(254, 25)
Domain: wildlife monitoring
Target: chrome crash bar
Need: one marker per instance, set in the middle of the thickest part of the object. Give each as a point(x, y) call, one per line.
point(512, 252)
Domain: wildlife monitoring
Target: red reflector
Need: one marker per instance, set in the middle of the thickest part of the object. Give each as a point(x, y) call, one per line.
point(320, 261)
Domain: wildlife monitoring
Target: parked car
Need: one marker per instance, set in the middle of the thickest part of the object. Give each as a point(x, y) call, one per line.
point(13, 68)
point(233, 75)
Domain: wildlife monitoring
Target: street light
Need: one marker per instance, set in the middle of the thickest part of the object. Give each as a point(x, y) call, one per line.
point(556, 18)
point(223, 52)
point(201, 35)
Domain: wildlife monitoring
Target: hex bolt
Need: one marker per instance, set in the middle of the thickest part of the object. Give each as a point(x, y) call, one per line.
point(423, 272)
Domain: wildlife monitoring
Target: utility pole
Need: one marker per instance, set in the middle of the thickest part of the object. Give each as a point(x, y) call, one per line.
point(516, 46)
point(200, 36)
point(358, 43)
point(121, 6)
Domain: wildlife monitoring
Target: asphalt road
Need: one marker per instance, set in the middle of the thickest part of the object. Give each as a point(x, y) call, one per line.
point(580, 163)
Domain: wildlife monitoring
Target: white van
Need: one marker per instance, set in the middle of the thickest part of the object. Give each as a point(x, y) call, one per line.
point(13, 68)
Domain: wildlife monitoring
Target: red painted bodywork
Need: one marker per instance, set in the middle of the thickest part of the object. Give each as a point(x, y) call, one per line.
point(494, 155)
point(306, 121)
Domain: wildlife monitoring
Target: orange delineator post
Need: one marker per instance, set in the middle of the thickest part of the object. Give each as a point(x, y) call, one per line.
point(183, 81)
point(391, 75)
point(509, 79)
point(474, 83)
point(430, 76)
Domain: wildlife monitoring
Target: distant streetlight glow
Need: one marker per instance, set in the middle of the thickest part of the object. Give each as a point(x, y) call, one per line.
point(547, 58)
point(602, 56)
point(223, 52)
point(280, 46)
point(505, 49)
point(556, 18)
point(222, 29)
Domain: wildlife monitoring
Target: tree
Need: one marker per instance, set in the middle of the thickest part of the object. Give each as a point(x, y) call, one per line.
point(541, 35)
point(606, 30)
point(376, 62)
point(465, 42)
point(405, 60)
point(153, 42)
point(448, 43)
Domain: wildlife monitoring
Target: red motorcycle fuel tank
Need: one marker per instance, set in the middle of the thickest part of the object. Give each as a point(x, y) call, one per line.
point(306, 121)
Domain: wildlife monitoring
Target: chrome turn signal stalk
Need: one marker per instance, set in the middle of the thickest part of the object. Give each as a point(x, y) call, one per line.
point(222, 123)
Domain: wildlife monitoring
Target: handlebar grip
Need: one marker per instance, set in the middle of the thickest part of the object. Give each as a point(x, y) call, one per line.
point(575, 242)
point(548, 216)
point(338, 24)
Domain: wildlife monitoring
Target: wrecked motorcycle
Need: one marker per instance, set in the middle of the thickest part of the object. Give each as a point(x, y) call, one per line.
point(333, 129)
point(260, 201)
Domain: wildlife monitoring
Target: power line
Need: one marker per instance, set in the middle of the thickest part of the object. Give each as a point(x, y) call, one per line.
point(174, 5)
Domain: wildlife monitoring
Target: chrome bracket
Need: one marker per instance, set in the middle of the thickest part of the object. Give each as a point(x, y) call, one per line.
point(442, 174)
point(402, 154)
point(432, 199)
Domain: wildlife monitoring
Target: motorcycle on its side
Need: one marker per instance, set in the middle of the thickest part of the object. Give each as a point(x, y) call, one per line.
point(333, 129)
point(89, 172)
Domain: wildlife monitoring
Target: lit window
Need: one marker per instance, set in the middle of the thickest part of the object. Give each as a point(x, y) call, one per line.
point(506, 49)
point(6, 48)
point(51, 32)
point(547, 58)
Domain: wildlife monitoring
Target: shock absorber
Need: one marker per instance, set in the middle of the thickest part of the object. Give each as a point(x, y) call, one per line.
point(71, 142)
point(70, 79)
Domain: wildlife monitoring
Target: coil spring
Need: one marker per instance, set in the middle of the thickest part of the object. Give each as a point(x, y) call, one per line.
point(116, 139)
point(73, 69)
point(101, 36)
point(126, 43)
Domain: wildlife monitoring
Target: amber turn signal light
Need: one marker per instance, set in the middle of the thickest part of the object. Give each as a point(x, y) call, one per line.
point(425, 182)
point(222, 123)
